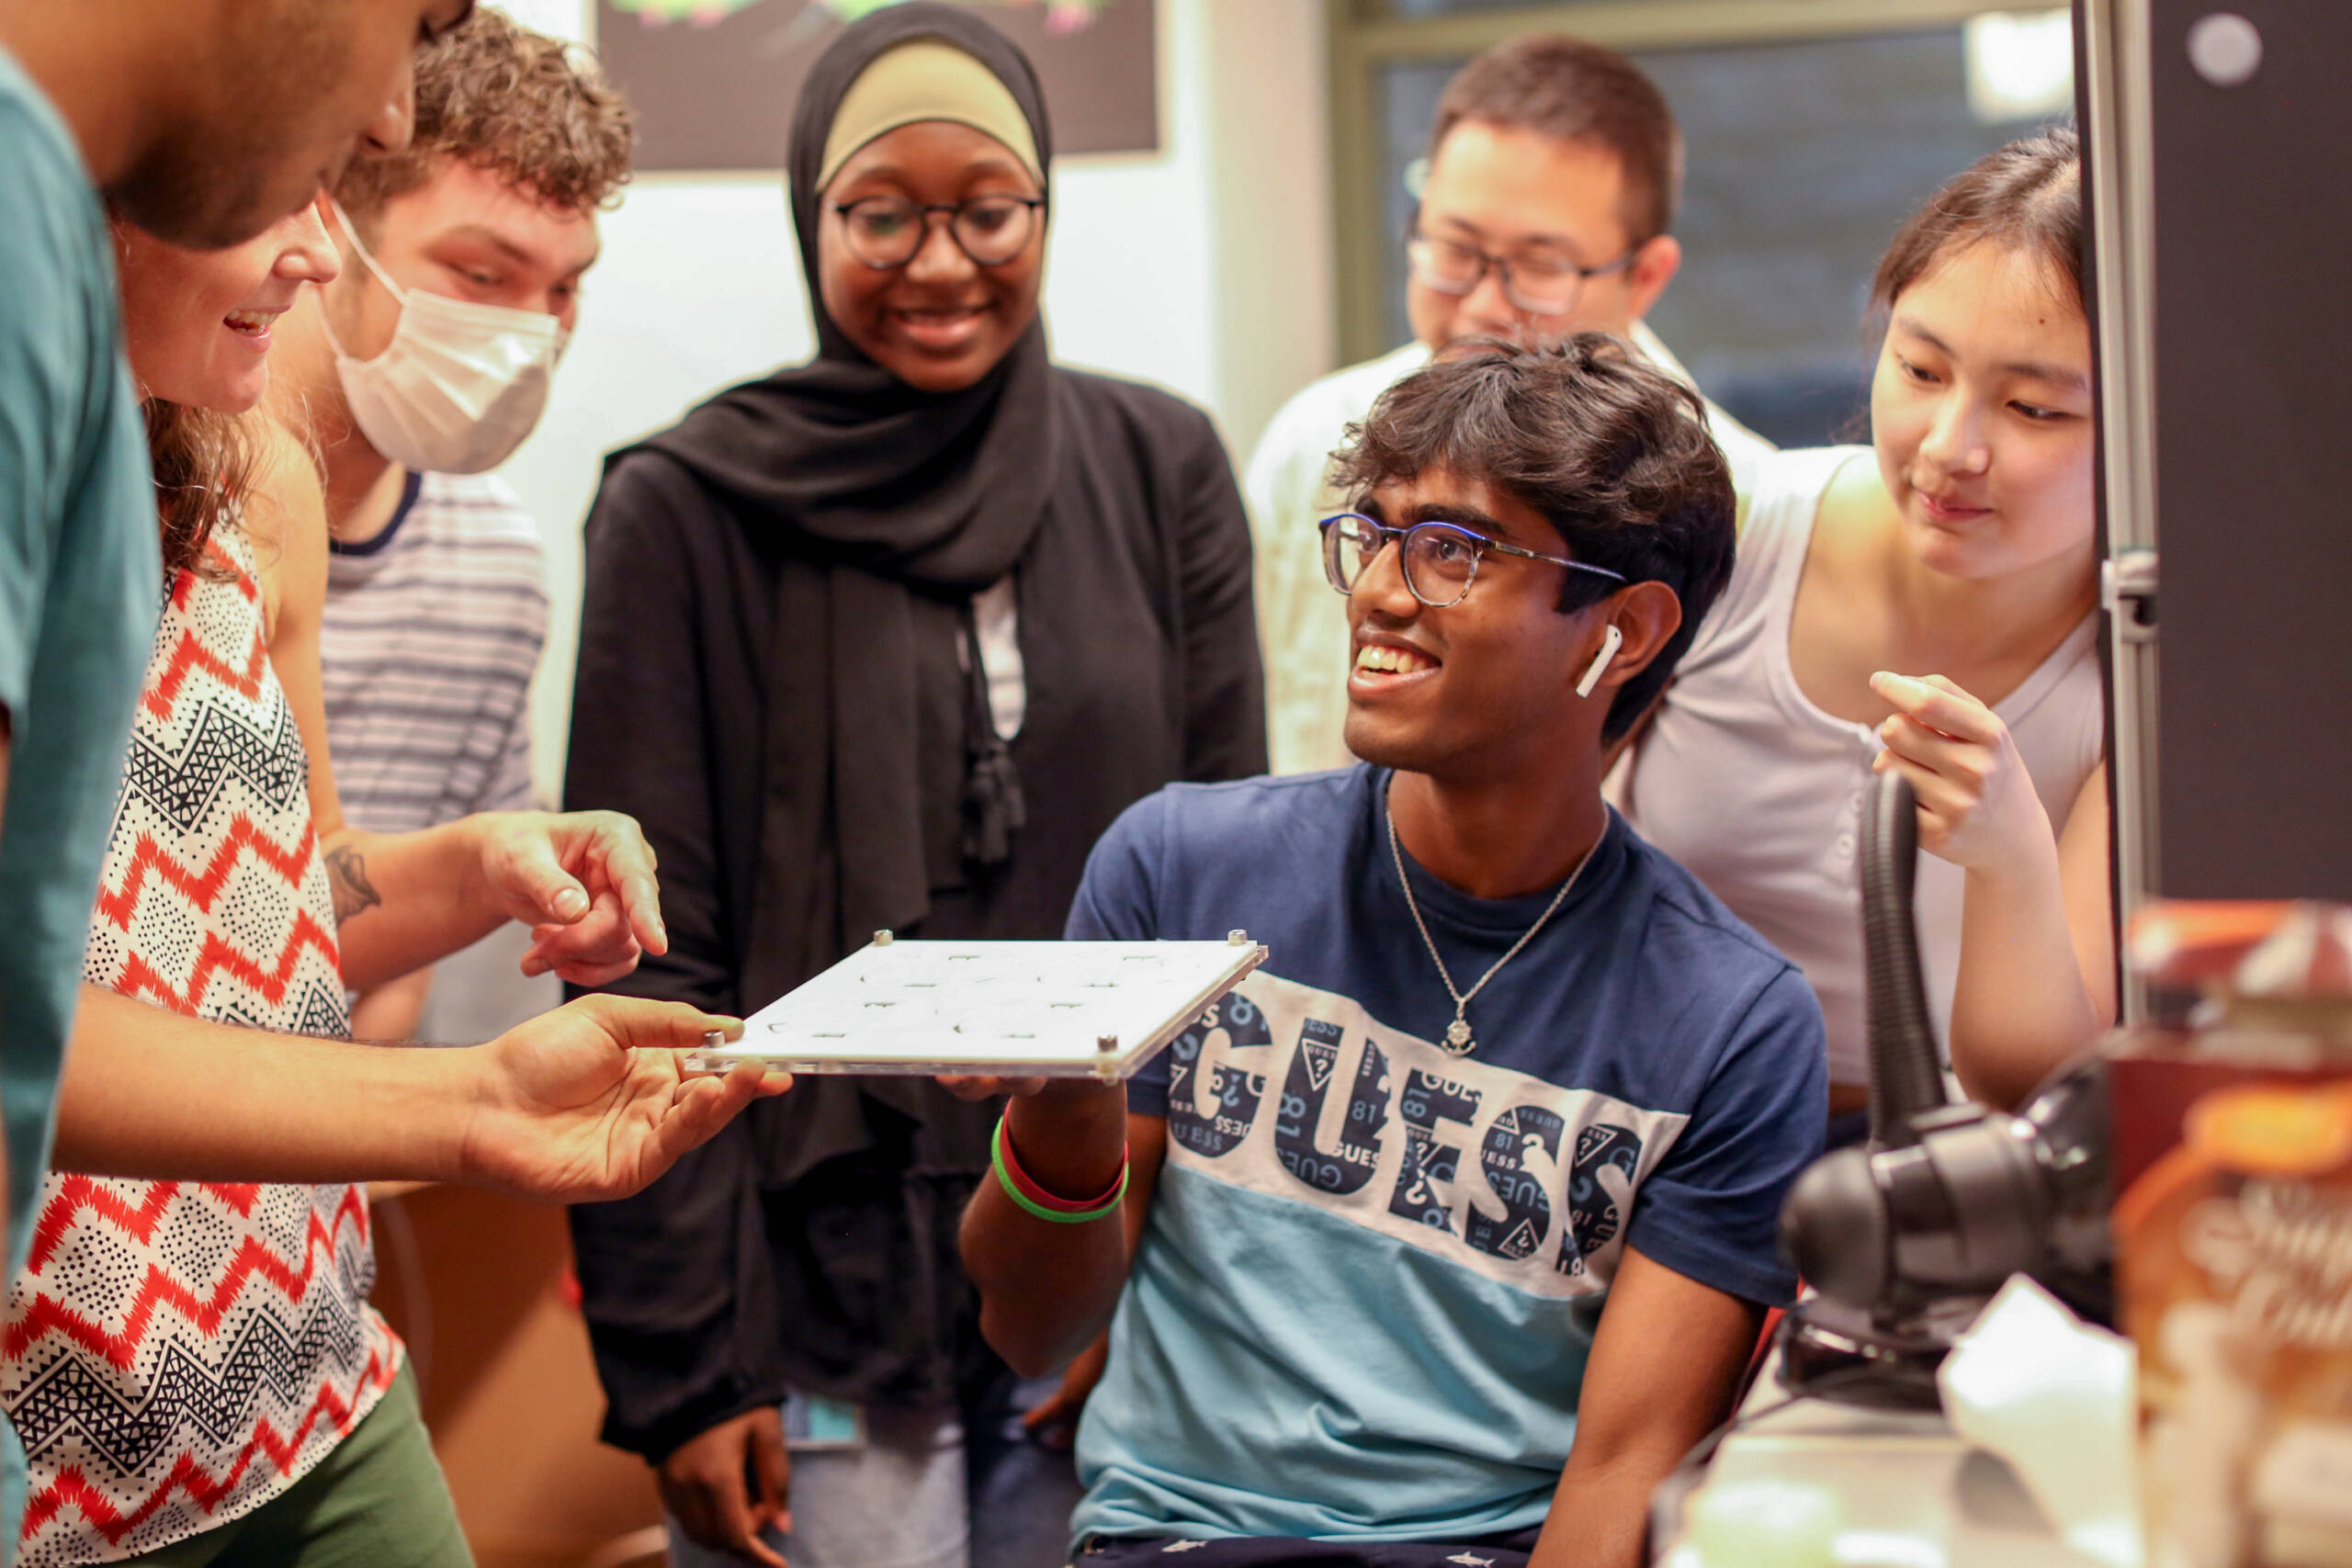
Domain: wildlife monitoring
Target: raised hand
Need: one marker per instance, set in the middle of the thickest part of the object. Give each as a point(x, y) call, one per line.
point(1977, 804)
point(583, 881)
point(591, 1101)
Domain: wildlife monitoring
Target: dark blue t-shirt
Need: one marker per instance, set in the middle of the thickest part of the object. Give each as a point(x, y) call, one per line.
point(1364, 1297)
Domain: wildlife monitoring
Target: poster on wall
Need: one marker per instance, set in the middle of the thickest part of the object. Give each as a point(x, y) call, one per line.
point(713, 81)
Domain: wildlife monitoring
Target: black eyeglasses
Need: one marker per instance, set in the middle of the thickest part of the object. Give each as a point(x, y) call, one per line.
point(885, 231)
point(1440, 560)
point(1537, 284)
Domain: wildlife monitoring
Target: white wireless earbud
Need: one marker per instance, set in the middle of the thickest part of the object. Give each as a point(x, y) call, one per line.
point(1610, 641)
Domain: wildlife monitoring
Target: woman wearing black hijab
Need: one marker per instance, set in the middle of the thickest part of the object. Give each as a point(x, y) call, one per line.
point(885, 641)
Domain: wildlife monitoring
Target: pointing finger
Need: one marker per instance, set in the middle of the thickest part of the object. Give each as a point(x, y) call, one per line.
point(627, 866)
point(1953, 711)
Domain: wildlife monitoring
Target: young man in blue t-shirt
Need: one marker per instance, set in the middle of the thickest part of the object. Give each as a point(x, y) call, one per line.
point(1506, 1063)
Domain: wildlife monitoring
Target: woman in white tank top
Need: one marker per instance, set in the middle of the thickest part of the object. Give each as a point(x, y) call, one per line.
point(1926, 604)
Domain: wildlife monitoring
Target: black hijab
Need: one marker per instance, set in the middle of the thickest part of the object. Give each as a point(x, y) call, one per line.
point(892, 507)
point(811, 1245)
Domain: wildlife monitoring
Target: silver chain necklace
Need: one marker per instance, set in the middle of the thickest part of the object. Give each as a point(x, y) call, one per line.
point(1457, 1033)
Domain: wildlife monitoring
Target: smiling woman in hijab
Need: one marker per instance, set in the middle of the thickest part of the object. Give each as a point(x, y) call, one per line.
point(883, 641)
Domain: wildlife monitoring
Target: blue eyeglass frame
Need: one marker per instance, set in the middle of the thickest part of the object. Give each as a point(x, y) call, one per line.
point(1479, 543)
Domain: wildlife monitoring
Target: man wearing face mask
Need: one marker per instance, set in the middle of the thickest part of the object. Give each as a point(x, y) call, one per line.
point(423, 365)
point(1552, 172)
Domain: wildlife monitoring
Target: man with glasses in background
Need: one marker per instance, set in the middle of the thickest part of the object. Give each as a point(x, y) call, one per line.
point(1552, 177)
point(1448, 1233)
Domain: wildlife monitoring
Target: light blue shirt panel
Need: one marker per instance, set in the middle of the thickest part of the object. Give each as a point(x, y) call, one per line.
point(1246, 1395)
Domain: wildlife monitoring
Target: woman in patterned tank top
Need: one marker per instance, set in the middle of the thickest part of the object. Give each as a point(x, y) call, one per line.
point(193, 1367)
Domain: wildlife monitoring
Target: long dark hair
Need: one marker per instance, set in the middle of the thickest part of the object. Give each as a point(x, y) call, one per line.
point(2028, 196)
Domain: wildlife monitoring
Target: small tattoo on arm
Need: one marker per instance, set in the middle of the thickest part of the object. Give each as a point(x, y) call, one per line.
point(347, 875)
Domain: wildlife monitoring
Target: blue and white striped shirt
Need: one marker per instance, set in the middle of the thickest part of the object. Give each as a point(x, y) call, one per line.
point(432, 629)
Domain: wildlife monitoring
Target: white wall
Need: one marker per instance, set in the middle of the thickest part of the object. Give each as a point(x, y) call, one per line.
point(1205, 268)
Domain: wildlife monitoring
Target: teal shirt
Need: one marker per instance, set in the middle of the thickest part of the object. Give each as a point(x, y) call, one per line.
point(81, 582)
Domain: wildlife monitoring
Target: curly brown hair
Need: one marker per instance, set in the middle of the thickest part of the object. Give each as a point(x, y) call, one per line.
point(521, 105)
point(1610, 450)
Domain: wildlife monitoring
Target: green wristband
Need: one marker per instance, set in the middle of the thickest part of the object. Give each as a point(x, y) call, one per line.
point(1012, 1185)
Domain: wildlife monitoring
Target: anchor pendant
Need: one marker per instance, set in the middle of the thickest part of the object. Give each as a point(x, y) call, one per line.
point(1457, 1036)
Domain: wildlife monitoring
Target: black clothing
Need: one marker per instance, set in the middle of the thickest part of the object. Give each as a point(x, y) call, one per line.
point(889, 508)
point(778, 590)
point(810, 1244)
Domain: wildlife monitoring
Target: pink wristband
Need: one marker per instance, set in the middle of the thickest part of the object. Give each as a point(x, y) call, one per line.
point(1024, 1188)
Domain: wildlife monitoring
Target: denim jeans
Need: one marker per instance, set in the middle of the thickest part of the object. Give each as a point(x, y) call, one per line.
point(1248, 1551)
point(946, 1488)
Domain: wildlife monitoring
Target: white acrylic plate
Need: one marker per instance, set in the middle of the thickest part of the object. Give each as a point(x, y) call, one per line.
point(1007, 1008)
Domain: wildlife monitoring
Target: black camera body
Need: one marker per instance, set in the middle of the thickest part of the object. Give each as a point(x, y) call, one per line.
point(1905, 1237)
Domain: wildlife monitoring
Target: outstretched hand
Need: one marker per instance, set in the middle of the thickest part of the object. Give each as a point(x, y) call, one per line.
point(583, 881)
point(591, 1101)
point(1977, 804)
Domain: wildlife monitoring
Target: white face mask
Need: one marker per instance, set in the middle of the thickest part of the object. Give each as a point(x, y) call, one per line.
point(459, 387)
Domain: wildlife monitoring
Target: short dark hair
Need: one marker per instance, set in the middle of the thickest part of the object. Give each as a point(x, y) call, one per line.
point(2027, 195)
point(1574, 90)
point(1609, 449)
point(521, 105)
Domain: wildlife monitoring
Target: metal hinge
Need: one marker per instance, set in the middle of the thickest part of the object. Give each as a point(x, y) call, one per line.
point(2127, 589)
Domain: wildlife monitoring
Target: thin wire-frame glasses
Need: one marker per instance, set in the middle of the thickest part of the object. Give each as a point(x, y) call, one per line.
point(1541, 286)
point(886, 232)
point(1440, 560)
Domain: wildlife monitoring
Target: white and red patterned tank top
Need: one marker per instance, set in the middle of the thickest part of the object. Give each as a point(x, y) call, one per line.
point(177, 1354)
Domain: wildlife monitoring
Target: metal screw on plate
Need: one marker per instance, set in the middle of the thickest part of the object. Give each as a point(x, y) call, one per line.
point(884, 939)
point(1236, 938)
point(712, 1039)
point(2226, 49)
